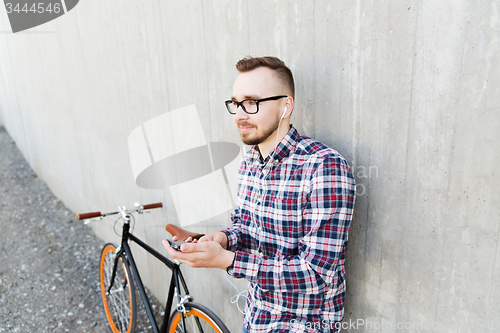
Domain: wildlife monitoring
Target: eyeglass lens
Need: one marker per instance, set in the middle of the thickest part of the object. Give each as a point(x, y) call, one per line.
point(250, 106)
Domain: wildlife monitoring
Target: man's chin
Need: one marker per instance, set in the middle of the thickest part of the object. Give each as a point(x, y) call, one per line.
point(249, 141)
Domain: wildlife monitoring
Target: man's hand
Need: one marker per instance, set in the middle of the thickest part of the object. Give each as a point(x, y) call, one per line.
point(218, 237)
point(204, 253)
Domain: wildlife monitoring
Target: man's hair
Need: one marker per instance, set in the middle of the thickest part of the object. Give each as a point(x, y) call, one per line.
point(278, 66)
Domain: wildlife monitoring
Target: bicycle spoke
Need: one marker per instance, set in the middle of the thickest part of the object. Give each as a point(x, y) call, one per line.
point(119, 301)
point(121, 305)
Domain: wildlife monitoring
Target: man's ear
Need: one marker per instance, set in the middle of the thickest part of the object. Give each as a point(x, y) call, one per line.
point(288, 107)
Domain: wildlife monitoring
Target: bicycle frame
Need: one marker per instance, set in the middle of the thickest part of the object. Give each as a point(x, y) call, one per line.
point(174, 289)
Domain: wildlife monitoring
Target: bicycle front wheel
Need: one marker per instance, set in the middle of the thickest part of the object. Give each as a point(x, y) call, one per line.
point(119, 302)
point(198, 319)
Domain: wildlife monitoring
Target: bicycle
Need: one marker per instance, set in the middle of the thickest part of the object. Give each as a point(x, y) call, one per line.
point(117, 285)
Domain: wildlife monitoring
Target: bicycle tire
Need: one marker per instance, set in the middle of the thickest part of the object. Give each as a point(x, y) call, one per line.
point(119, 304)
point(196, 312)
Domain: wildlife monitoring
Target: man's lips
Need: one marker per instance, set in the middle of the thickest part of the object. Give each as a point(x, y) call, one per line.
point(244, 128)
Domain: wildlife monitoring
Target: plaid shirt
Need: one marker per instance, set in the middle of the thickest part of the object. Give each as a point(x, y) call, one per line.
point(289, 233)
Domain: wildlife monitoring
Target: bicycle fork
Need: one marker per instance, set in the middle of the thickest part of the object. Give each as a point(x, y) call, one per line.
point(113, 275)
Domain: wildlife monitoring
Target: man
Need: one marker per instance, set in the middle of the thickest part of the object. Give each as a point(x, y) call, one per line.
point(295, 202)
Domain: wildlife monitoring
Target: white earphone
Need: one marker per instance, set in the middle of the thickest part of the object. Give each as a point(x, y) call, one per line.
point(279, 124)
point(284, 113)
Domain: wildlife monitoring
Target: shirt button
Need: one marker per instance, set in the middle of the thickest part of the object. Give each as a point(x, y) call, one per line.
point(260, 199)
point(261, 254)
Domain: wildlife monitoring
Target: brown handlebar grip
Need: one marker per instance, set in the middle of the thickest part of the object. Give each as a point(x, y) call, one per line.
point(85, 216)
point(151, 206)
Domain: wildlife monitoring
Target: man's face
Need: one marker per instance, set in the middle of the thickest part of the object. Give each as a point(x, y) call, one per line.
point(258, 83)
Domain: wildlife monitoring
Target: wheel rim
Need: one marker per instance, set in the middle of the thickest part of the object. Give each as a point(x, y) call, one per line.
point(118, 304)
point(191, 325)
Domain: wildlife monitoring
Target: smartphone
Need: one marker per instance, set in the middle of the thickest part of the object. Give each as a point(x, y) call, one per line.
point(175, 246)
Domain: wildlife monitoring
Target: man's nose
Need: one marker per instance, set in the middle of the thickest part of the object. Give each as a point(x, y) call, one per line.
point(240, 114)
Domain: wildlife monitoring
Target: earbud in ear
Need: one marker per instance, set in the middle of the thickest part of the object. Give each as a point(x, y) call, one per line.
point(283, 113)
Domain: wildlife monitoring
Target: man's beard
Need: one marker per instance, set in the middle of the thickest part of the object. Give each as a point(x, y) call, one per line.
point(261, 137)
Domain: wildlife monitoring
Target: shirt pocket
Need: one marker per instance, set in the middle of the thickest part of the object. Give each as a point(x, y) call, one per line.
point(287, 211)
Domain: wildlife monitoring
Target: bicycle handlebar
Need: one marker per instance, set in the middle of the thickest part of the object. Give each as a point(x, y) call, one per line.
point(137, 209)
point(85, 216)
point(153, 205)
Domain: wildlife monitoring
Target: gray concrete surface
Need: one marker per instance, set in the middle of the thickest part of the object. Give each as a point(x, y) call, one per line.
point(49, 261)
point(407, 91)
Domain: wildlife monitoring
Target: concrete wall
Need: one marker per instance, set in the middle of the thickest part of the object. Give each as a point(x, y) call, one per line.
point(407, 91)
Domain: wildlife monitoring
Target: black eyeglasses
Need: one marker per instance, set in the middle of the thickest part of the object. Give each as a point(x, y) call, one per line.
point(250, 106)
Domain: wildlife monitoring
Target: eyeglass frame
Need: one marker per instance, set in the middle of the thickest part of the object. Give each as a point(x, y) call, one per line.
point(257, 101)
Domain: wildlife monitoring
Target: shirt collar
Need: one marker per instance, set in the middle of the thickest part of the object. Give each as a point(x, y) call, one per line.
point(281, 151)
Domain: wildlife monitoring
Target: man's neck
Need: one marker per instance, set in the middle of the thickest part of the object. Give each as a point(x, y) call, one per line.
point(273, 140)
